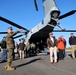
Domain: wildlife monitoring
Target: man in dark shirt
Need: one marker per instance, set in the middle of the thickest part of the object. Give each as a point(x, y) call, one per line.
point(4, 51)
point(72, 42)
point(21, 49)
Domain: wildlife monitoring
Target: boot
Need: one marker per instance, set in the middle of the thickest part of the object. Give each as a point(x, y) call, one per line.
point(6, 66)
point(10, 68)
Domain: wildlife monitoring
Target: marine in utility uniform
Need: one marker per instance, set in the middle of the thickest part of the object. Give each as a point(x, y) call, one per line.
point(10, 46)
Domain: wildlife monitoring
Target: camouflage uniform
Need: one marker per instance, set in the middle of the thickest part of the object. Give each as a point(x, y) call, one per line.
point(33, 48)
point(10, 46)
point(27, 48)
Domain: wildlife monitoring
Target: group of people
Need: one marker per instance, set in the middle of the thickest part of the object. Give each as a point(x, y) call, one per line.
point(57, 47)
point(10, 47)
point(54, 45)
point(23, 49)
point(8, 44)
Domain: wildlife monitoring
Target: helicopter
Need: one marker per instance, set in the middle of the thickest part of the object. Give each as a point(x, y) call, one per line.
point(50, 21)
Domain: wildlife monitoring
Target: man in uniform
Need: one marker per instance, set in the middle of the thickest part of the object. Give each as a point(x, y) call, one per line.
point(10, 47)
point(27, 48)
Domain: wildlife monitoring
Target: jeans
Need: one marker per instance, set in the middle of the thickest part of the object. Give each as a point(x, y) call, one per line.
point(4, 54)
point(45, 51)
point(65, 52)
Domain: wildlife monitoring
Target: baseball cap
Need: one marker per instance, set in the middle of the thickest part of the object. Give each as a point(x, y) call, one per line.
point(4, 37)
point(50, 33)
point(72, 33)
point(10, 28)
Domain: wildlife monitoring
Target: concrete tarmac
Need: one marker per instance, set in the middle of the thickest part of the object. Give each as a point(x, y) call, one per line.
point(40, 65)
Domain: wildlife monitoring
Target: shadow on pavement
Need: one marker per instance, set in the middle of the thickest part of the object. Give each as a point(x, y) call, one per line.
point(71, 54)
point(34, 60)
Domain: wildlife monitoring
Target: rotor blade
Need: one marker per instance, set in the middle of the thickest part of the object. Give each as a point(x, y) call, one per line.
point(67, 14)
point(3, 32)
point(12, 23)
point(58, 31)
point(36, 5)
point(64, 31)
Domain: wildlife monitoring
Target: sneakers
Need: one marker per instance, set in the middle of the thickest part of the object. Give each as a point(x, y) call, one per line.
point(52, 62)
point(23, 58)
point(56, 62)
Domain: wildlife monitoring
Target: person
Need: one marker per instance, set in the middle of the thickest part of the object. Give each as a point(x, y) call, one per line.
point(16, 50)
point(72, 42)
point(4, 50)
point(65, 43)
point(0, 47)
point(27, 48)
point(21, 49)
point(10, 47)
point(61, 47)
point(52, 45)
point(0, 52)
point(33, 49)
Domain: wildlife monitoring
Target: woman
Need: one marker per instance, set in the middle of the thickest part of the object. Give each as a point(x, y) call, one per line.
point(61, 47)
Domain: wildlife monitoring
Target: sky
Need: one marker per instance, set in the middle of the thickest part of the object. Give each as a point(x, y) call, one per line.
point(23, 13)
